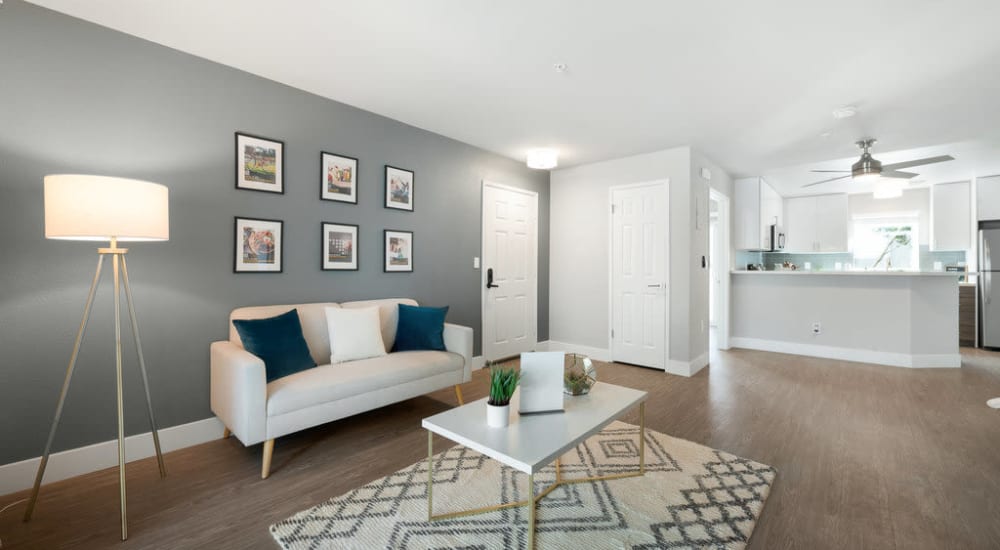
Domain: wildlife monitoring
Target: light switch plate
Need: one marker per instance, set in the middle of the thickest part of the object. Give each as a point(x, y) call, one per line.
point(475, 262)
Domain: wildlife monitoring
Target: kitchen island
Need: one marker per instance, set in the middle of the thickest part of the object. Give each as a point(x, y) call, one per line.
point(897, 318)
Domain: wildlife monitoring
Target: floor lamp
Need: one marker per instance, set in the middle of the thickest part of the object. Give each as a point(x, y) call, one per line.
point(98, 208)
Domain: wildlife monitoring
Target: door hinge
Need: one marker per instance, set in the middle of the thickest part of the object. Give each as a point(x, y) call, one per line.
point(612, 333)
point(612, 209)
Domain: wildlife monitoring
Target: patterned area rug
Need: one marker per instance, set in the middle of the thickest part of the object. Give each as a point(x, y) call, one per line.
point(691, 497)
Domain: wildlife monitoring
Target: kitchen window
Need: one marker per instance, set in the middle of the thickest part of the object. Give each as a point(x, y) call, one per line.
point(887, 242)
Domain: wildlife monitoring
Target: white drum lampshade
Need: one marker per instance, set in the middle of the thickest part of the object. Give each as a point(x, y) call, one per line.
point(99, 208)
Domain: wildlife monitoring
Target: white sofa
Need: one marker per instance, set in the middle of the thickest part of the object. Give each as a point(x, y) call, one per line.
point(256, 411)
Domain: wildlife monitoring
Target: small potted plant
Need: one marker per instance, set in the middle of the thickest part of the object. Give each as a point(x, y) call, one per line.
point(503, 382)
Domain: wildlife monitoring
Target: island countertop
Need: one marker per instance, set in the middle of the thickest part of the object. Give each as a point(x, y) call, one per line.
point(867, 273)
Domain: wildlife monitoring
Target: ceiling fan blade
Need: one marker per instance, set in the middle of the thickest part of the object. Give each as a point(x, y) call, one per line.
point(832, 171)
point(826, 181)
point(898, 175)
point(917, 162)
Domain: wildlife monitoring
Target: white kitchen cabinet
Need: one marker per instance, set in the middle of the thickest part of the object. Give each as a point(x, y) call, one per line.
point(951, 216)
point(816, 224)
point(988, 198)
point(800, 224)
point(757, 206)
point(832, 219)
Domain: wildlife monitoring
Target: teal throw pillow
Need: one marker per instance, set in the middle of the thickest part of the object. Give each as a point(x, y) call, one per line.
point(278, 341)
point(420, 328)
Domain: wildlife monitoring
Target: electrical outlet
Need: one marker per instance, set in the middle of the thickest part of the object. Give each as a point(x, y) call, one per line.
point(817, 328)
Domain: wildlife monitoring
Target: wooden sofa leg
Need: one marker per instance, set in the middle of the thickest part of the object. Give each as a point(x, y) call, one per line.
point(226, 433)
point(458, 394)
point(265, 469)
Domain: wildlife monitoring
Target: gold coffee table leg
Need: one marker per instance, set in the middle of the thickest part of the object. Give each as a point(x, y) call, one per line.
point(531, 511)
point(642, 438)
point(430, 475)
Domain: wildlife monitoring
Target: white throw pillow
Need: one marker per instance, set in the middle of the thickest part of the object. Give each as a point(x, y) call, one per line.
point(354, 333)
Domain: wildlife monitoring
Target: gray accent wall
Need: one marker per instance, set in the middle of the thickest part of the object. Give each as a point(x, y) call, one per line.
point(79, 98)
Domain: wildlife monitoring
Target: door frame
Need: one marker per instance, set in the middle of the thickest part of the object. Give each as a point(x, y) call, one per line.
point(665, 185)
point(723, 266)
point(482, 269)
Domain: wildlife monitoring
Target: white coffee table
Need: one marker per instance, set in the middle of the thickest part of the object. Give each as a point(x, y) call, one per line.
point(532, 442)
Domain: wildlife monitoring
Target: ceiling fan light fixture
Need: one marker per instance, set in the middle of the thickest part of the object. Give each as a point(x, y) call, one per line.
point(888, 189)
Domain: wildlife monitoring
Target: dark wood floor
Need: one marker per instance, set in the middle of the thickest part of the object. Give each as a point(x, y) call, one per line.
point(867, 457)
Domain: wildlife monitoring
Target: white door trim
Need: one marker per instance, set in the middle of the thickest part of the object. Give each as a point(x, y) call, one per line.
point(723, 266)
point(483, 297)
point(665, 183)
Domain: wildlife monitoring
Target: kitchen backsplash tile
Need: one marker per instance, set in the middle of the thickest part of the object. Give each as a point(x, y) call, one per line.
point(828, 261)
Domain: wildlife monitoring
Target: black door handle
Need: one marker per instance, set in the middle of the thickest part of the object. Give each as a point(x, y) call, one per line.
point(489, 279)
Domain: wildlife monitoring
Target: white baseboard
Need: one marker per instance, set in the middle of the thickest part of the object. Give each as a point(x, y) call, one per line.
point(687, 368)
point(18, 476)
point(945, 360)
point(478, 362)
point(598, 354)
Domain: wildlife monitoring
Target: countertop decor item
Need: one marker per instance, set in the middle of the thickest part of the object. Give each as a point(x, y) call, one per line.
point(99, 208)
point(503, 382)
point(580, 374)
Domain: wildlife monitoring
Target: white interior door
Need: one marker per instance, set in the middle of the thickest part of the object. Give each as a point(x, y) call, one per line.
point(510, 271)
point(639, 275)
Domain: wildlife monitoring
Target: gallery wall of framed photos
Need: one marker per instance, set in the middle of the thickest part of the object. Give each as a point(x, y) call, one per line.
point(259, 244)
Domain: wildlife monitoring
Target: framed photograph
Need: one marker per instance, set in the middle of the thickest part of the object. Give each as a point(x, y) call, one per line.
point(398, 251)
point(398, 188)
point(258, 245)
point(340, 247)
point(340, 178)
point(259, 163)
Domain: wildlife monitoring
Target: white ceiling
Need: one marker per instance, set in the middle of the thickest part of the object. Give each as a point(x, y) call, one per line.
point(752, 84)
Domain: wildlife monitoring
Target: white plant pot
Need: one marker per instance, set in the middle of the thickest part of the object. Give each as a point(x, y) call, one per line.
point(497, 417)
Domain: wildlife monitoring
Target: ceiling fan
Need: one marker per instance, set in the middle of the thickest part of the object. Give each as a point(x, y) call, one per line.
point(870, 169)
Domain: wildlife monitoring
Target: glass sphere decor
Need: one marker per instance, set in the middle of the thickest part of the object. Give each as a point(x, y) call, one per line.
point(580, 374)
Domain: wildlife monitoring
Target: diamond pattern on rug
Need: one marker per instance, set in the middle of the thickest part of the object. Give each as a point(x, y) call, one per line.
point(691, 497)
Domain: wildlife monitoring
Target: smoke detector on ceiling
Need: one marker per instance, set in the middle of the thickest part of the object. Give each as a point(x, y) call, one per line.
point(847, 111)
point(558, 67)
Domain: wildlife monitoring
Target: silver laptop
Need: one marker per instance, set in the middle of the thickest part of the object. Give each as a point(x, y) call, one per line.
point(542, 382)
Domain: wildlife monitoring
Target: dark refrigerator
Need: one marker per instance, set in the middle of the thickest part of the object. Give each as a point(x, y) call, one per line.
point(989, 275)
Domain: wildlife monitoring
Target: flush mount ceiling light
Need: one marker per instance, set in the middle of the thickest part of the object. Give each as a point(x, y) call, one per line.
point(543, 159)
point(886, 188)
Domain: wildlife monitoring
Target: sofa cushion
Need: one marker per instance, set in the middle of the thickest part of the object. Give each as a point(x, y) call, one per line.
point(278, 342)
point(420, 328)
point(332, 382)
point(387, 313)
point(312, 317)
point(354, 334)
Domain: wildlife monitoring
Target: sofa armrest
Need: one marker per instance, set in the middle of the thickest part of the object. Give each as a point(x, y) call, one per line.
point(458, 339)
point(239, 391)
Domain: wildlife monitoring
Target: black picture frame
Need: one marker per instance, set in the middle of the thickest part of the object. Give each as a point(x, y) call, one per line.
point(386, 267)
point(240, 164)
point(239, 244)
point(324, 263)
point(324, 194)
point(411, 183)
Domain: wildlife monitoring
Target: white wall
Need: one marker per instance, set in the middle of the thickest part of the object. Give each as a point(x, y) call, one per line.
point(912, 200)
point(579, 226)
point(699, 283)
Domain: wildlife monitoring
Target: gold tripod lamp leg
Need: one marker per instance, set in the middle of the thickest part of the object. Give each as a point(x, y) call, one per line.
point(142, 368)
point(65, 389)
